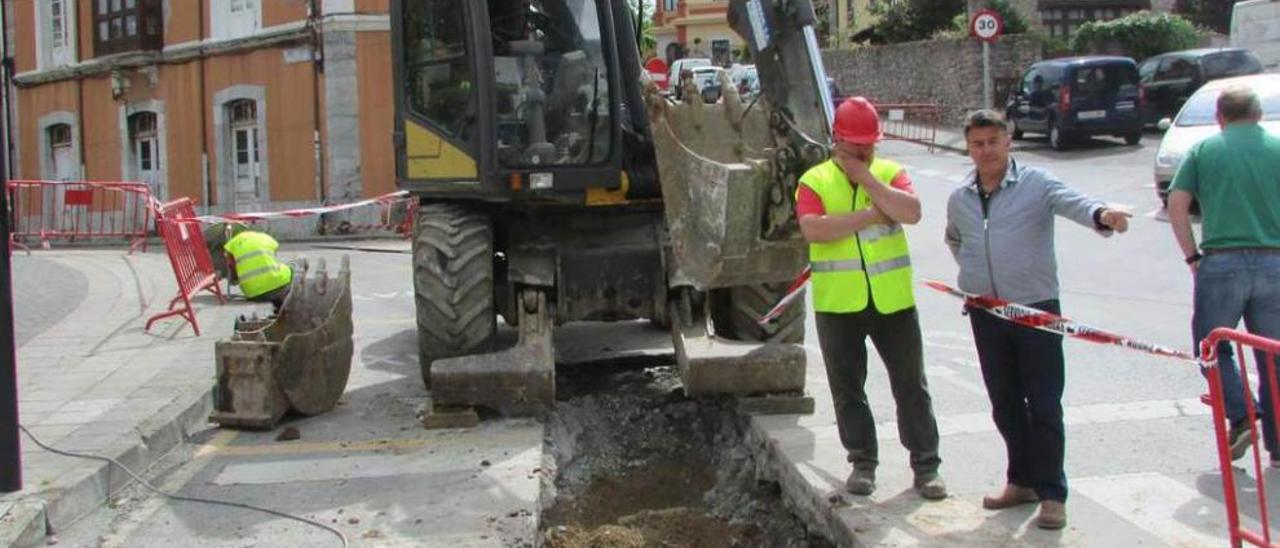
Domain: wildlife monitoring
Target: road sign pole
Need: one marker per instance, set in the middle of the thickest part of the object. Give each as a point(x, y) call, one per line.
point(986, 74)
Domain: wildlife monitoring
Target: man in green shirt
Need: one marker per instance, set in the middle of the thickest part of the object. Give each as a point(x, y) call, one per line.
point(1235, 176)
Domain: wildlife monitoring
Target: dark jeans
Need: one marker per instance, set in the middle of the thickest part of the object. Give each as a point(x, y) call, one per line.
point(1023, 369)
point(844, 350)
point(1231, 286)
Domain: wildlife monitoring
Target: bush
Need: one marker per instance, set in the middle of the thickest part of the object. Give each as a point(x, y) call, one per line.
point(1141, 34)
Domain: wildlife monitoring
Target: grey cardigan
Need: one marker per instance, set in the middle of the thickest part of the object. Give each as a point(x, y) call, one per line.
point(1008, 253)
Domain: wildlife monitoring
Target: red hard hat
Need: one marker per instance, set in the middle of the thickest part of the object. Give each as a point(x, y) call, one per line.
point(857, 122)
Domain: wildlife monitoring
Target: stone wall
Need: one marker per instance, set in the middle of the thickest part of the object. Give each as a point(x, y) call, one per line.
point(947, 72)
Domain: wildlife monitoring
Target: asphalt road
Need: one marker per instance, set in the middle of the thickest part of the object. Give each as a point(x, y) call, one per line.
point(1135, 427)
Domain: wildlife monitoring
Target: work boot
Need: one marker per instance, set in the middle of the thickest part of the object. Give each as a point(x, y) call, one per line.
point(931, 486)
point(861, 482)
point(1012, 495)
point(1053, 515)
point(1239, 439)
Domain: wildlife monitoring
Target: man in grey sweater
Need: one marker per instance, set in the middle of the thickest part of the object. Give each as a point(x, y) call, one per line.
point(1000, 229)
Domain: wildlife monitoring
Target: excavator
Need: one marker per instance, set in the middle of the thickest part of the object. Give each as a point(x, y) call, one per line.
point(557, 184)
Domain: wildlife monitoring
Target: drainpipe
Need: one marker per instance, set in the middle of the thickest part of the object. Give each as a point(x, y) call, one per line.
point(317, 62)
point(204, 127)
point(6, 79)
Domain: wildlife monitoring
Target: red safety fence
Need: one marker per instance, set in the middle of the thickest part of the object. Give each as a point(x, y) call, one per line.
point(914, 122)
point(1267, 349)
point(184, 240)
point(79, 210)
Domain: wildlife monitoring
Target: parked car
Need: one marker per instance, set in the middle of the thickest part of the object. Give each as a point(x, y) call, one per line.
point(1078, 97)
point(1198, 120)
point(679, 66)
point(1170, 78)
point(747, 80)
point(707, 80)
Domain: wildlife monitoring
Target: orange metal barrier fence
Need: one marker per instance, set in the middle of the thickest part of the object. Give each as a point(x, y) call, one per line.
point(914, 122)
point(1267, 350)
point(184, 240)
point(79, 210)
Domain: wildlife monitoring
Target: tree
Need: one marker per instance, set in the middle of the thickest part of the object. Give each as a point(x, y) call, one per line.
point(1141, 34)
point(1211, 14)
point(910, 20)
point(642, 14)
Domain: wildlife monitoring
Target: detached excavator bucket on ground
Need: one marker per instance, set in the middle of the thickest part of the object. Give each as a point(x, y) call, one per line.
point(299, 359)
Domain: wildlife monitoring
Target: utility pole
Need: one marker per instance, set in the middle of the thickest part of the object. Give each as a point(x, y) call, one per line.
point(10, 448)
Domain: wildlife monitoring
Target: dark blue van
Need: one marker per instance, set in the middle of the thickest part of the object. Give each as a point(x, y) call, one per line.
point(1078, 97)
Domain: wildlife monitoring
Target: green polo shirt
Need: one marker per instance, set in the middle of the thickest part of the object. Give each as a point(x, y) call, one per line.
point(1235, 176)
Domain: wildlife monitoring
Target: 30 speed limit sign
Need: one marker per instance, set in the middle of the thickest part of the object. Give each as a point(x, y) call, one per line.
point(986, 25)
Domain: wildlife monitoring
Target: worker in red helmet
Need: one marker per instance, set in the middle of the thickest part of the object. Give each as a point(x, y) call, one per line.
point(851, 210)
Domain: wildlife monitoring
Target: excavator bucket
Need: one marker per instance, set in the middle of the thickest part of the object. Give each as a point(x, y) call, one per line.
point(299, 359)
point(728, 199)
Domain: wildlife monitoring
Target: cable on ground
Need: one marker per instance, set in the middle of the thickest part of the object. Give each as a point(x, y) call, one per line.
point(171, 496)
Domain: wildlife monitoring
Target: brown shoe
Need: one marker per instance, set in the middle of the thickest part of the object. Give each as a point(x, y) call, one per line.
point(1053, 515)
point(1012, 495)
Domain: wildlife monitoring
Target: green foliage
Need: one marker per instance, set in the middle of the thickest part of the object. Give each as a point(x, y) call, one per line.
point(1053, 46)
point(910, 20)
point(1211, 14)
point(1141, 34)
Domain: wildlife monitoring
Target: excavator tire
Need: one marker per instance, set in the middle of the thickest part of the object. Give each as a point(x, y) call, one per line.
point(453, 283)
point(734, 312)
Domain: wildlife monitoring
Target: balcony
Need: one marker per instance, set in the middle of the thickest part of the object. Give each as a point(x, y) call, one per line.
point(121, 26)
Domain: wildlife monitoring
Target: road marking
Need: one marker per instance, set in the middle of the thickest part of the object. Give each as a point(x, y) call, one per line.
point(1103, 413)
point(504, 452)
point(299, 448)
point(1159, 505)
point(217, 443)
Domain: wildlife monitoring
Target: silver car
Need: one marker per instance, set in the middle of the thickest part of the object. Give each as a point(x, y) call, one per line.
point(1198, 119)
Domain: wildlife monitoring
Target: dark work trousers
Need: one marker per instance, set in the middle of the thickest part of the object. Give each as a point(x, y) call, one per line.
point(897, 339)
point(1023, 369)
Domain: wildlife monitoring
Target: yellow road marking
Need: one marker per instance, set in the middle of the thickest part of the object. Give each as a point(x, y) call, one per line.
point(215, 444)
point(296, 448)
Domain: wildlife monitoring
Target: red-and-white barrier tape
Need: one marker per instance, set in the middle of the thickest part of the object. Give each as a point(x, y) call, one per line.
point(1044, 321)
point(384, 199)
point(793, 292)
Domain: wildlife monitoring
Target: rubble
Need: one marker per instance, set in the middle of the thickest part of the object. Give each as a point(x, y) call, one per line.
point(636, 463)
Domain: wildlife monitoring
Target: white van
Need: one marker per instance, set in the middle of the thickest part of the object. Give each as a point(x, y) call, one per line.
point(1255, 25)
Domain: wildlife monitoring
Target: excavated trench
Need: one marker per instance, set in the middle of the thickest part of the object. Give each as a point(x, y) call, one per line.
point(639, 465)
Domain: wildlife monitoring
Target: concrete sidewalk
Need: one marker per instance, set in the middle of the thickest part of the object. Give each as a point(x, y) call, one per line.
point(93, 381)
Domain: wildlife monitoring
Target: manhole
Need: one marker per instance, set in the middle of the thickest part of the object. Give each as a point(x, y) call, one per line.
point(640, 465)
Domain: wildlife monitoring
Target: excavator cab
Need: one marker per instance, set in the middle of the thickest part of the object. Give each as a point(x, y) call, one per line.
point(508, 99)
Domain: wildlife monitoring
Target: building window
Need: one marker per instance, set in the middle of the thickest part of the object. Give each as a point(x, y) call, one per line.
point(145, 137)
point(56, 32)
point(669, 6)
point(61, 152)
point(127, 25)
point(246, 162)
point(721, 52)
point(236, 18)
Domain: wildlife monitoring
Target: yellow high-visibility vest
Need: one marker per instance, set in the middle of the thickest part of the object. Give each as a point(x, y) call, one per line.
point(875, 261)
point(256, 265)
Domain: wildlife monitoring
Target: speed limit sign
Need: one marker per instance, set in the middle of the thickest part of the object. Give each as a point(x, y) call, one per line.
point(986, 25)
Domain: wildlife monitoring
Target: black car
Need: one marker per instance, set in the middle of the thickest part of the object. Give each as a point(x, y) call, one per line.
point(1078, 97)
point(1170, 78)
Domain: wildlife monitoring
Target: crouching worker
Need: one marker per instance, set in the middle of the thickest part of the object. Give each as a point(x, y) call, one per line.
point(252, 264)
